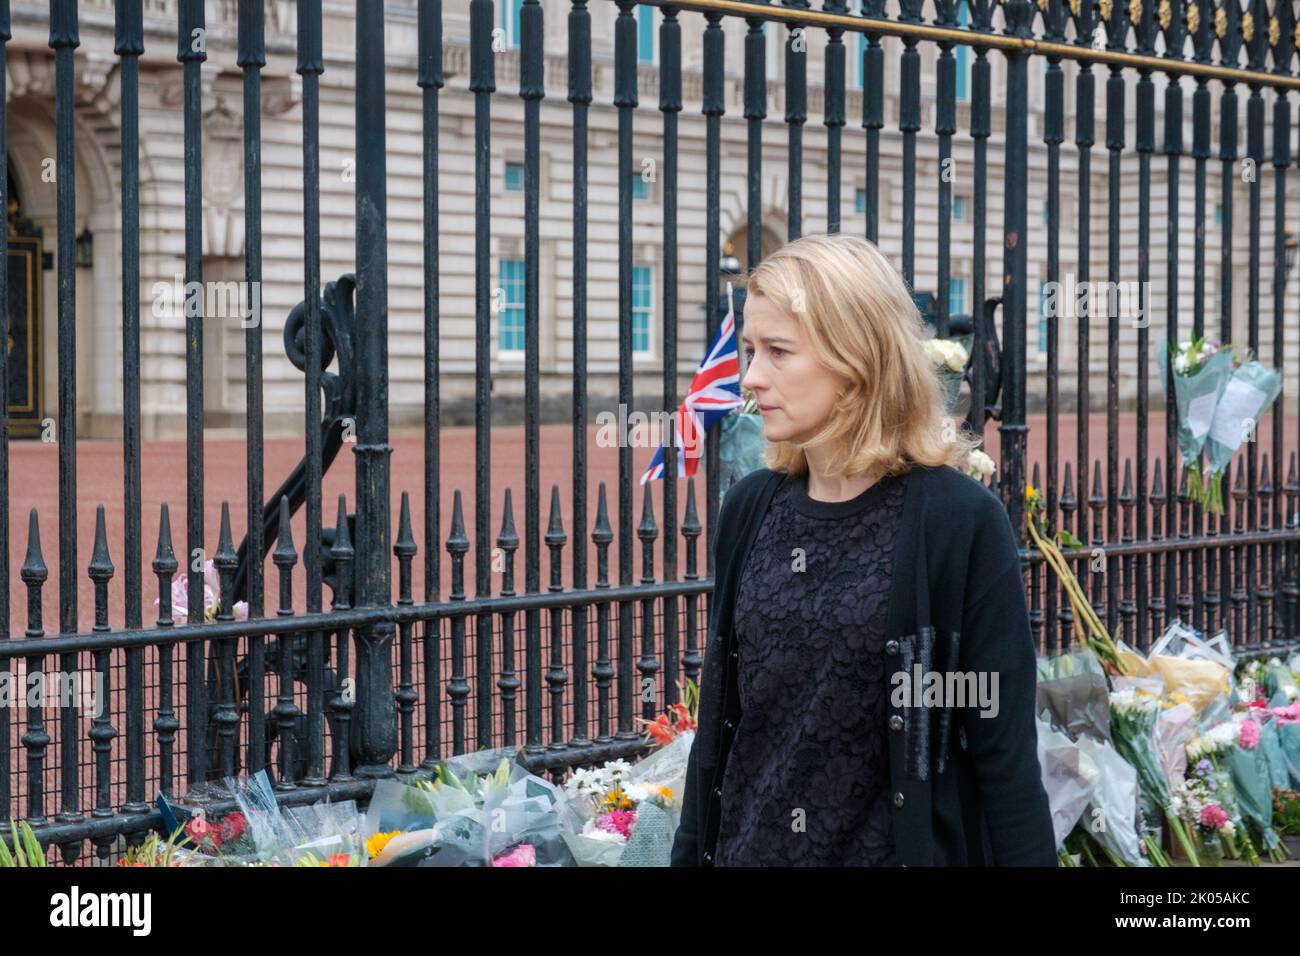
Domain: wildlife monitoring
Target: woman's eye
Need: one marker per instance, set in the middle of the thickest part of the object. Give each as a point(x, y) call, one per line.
point(749, 353)
point(778, 353)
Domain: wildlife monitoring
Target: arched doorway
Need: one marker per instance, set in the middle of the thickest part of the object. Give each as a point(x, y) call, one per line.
point(737, 246)
point(24, 348)
point(98, 231)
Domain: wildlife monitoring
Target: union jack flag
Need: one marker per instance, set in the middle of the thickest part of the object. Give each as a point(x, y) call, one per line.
point(714, 392)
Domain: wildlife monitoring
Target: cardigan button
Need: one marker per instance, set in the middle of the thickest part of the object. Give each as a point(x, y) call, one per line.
point(717, 791)
point(709, 857)
point(898, 799)
point(895, 722)
point(728, 724)
point(891, 647)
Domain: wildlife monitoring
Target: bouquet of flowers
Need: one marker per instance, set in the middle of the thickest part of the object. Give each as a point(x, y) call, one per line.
point(1214, 745)
point(153, 851)
point(1286, 812)
point(680, 719)
point(1280, 681)
point(1111, 818)
point(948, 358)
point(259, 832)
point(1201, 371)
point(980, 465)
point(1072, 694)
point(1248, 766)
point(1196, 801)
point(625, 814)
point(1288, 737)
point(1133, 716)
point(211, 597)
point(222, 842)
point(1251, 389)
point(1069, 777)
point(740, 443)
point(481, 809)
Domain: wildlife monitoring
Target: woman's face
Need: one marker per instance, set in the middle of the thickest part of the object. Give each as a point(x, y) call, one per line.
point(796, 393)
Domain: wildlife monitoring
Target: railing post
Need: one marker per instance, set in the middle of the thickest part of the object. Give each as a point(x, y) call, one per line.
point(374, 727)
point(1013, 432)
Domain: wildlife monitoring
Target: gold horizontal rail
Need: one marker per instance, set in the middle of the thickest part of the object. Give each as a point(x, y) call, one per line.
point(1000, 41)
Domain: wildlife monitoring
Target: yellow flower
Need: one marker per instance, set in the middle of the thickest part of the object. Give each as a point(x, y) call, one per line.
point(375, 845)
point(666, 793)
point(616, 799)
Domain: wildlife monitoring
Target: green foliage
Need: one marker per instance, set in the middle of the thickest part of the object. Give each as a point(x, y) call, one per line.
point(27, 851)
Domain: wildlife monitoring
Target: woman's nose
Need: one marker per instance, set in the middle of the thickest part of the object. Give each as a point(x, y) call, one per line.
point(753, 380)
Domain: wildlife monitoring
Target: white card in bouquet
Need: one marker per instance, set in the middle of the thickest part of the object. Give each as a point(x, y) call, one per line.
point(1200, 414)
point(1237, 412)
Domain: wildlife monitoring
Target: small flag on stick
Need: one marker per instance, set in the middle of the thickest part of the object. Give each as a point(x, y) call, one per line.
point(714, 392)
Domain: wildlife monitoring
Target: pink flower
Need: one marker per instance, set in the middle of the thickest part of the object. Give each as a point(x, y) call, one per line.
point(1287, 715)
point(211, 597)
point(618, 821)
point(1249, 735)
point(522, 855)
point(1213, 816)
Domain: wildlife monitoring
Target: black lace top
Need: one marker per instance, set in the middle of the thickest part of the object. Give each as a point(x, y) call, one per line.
point(807, 777)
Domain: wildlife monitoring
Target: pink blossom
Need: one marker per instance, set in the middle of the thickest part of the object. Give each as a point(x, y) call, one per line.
point(1287, 715)
point(1249, 735)
point(1213, 816)
point(618, 821)
point(211, 597)
point(522, 855)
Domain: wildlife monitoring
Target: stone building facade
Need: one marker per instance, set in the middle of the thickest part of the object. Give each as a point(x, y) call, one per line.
point(99, 305)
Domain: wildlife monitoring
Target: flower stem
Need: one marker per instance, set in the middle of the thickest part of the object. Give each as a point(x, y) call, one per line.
point(1176, 827)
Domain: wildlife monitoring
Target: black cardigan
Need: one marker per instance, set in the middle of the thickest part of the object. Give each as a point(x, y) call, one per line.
point(967, 790)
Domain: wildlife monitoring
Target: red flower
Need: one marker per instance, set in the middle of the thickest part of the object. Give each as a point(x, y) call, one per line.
point(198, 830)
point(231, 828)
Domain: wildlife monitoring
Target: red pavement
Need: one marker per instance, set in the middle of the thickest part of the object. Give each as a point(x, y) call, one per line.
point(34, 484)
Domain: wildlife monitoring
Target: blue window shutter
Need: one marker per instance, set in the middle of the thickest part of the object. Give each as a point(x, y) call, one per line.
point(645, 48)
point(642, 307)
point(511, 333)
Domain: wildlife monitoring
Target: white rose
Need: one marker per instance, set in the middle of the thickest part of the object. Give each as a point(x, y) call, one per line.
point(981, 464)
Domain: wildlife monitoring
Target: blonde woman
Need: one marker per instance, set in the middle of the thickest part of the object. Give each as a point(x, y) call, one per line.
point(867, 696)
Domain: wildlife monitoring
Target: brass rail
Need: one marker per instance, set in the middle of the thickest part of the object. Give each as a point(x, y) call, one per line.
point(1001, 41)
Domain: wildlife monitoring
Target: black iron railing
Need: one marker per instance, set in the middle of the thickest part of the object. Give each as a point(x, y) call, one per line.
point(328, 700)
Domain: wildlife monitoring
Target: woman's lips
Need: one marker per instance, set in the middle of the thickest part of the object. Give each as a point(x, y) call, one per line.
point(766, 408)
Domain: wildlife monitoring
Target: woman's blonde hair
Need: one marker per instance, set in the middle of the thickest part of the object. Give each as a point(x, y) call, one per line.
point(857, 312)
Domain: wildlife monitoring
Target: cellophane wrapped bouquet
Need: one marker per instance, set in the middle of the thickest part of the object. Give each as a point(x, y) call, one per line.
point(480, 809)
point(623, 814)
